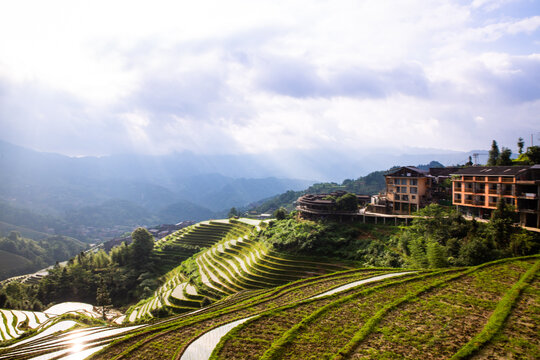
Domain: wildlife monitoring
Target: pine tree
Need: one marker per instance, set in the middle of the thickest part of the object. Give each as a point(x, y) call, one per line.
point(504, 157)
point(520, 145)
point(435, 254)
point(102, 297)
point(493, 154)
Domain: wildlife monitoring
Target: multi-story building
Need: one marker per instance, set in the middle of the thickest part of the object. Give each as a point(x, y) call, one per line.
point(476, 191)
point(407, 190)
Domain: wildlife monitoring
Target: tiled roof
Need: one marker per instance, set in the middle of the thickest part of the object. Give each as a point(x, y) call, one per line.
point(444, 171)
point(491, 170)
point(410, 168)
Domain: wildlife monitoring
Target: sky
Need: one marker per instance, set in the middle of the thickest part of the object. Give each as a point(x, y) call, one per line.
point(255, 77)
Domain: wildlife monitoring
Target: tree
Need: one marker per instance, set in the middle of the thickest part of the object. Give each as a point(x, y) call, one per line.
point(469, 163)
point(493, 154)
point(280, 214)
point(142, 246)
point(233, 212)
point(501, 226)
point(347, 202)
point(435, 254)
point(533, 153)
point(102, 297)
point(520, 145)
point(504, 157)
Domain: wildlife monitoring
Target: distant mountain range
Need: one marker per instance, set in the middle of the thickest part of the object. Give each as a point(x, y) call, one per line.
point(129, 190)
point(49, 192)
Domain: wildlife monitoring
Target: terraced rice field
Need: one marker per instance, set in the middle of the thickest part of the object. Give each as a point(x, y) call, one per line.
point(420, 315)
point(13, 323)
point(488, 311)
point(234, 263)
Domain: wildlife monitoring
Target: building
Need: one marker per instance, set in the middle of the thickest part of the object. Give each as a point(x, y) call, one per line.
point(476, 191)
point(323, 206)
point(407, 190)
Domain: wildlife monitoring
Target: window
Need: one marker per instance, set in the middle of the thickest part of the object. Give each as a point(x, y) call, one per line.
point(397, 206)
point(414, 182)
point(413, 197)
point(405, 197)
point(396, 197)
point(414, 190)
point(398, 189)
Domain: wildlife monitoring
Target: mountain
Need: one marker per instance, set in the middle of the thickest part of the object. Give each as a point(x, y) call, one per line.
point(77, 196)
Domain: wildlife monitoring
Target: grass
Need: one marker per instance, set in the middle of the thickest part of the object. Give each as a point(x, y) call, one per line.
point(420, 329)
point(499, 316)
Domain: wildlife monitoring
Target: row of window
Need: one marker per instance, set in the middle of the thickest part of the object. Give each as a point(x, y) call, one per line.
point(488, 178)
point(405, 207)
point(481, 200)
point(403, 181)
point(398, 197)
point(403, 189)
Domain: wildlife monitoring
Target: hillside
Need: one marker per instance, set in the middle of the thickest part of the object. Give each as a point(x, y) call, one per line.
point(88, 197)
point(21, 255)
point(370, 184)
point(483, 311)
point(292, 288)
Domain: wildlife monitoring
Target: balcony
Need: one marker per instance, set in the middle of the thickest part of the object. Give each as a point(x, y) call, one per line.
point(492, 191)
point(507, 179)
point(468, 189)
point(480, 178)
point(528, 211)
point(479, 191)
point(468, 178)
point(530, 196)
point(469, 202)
point(493, 179)
point(492, 204)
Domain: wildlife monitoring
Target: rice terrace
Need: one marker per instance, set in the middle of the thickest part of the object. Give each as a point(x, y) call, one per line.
point(239, 298)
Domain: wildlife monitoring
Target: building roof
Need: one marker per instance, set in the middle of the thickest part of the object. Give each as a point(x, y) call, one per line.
point(492, 170)
point(409, 169)
point(444, 171)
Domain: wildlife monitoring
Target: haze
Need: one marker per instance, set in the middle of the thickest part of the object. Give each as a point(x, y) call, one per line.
point(242, 77)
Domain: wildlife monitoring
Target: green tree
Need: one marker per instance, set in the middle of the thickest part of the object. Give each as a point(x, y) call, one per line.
point(435, 254)
point(520, 145)
point(493, 154)
point(417, 250)
point(142, 246)
point(501, 226)
point(347, 202)
point(504, 157)
point(233, 212)
point(533, 153)
point(469, 163)
point(280, 214)
point(103, 298)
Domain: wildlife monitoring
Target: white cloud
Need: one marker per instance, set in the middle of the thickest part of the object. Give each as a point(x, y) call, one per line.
point(244, 76)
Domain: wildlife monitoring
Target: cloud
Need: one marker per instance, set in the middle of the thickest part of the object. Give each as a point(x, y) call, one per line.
point(275, 76)
point(300, 79)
